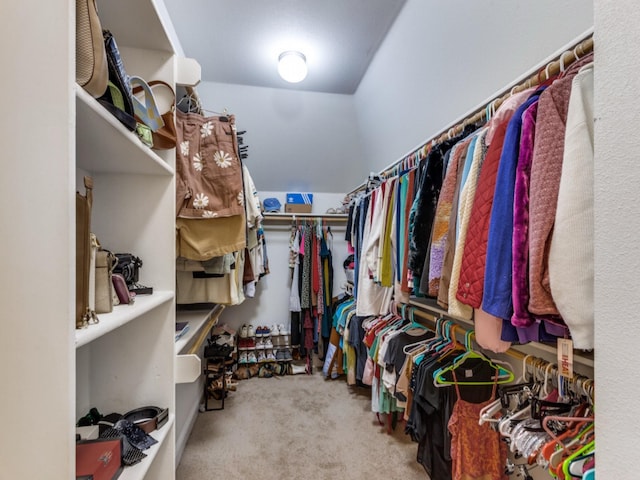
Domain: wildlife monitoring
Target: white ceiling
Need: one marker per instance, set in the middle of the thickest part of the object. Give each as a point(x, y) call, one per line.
point(238, 41)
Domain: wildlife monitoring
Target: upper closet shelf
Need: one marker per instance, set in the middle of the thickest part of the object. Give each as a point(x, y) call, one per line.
point(104, 145)
point(121, 315)
point(142, 26)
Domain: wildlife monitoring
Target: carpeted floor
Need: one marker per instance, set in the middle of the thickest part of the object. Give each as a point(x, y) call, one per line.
point(297, 427)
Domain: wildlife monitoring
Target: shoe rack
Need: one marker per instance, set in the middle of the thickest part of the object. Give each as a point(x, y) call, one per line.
point(263, 344)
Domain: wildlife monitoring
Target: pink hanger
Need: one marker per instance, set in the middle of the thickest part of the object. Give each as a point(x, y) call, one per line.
point(560, 418)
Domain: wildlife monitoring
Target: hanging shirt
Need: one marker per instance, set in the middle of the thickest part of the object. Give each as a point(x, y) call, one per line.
point(520, 243)
point(546, 169)
point(471, 284)
point(456, 307)
point(571, 257)
point(443, 214)
point(497, 282)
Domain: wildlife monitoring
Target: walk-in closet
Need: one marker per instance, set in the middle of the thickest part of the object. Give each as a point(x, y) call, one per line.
point(413, 258)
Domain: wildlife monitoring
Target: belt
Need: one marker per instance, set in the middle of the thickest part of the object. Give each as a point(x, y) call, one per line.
point(148, 418)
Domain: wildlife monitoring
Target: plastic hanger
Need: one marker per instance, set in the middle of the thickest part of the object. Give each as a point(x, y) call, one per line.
point(590, 447)
point(562, 65)
point(554, 437)
point(504, 375)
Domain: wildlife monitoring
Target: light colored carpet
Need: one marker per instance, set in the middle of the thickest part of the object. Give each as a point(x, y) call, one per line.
point(297, 427)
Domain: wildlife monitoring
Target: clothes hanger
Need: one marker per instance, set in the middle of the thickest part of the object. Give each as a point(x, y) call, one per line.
point(590, 447)
point(488, 413)
point(562, 65)
point(548, 418)
point(504, 375)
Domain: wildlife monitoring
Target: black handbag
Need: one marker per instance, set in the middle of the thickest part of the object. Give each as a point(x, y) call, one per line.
point(118, 97)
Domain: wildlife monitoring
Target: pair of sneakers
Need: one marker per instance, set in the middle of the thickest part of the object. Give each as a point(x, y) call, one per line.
point(283, 355)
point(248, 357)
point(263, 331)
point(264, 343)
point(279, 330)
point(266, 356)
point(247, 331)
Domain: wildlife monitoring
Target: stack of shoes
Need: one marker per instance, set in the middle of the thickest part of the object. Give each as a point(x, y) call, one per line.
point(216, 389)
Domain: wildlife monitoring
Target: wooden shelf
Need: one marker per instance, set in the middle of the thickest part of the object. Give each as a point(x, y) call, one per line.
point(121, 315)
point(139, 471)
point(136, 24)
point(104, 145)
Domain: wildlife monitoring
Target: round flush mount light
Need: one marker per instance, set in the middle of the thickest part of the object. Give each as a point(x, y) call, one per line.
point(292, 66)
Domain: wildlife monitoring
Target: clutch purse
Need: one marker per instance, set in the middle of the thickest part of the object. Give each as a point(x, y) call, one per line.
point(120, 286)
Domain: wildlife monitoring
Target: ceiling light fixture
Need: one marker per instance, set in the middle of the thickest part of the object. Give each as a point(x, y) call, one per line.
point(292, 66)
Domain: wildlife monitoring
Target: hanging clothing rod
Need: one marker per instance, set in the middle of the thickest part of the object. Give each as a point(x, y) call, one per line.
point(578, 48)
point(426, 310)
point(332, 217)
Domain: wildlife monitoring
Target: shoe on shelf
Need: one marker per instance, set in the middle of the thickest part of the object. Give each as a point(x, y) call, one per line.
point(267, 343)
point(261, 357)
point(287, 355)
point(251, 357)
point(275, 330)
point(250, 331)
point(282, 329)
point(251, 344)
point(280, 355)
point(266, 331)
point(260, 344)
point(243, 357)
point(244, 331)
point(224, 339)
point(270, 356)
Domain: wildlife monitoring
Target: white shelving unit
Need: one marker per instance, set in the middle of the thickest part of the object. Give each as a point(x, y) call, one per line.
point(52, 372)
point(188, 370)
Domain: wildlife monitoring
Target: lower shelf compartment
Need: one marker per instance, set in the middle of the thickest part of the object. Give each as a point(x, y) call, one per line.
point(138, 471)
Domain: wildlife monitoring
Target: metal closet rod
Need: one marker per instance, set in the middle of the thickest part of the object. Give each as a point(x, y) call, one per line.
point(576, 50)
point(335, 217)
point(577, 383)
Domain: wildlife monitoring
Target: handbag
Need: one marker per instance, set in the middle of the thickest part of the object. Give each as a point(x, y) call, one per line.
point(128, 266)
point(104, 291)
point(145, 108)
point(118, 97)
point(120, 286)
point(84, 314)
point(165, 137)
point(93, 241)
point(91, 61)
